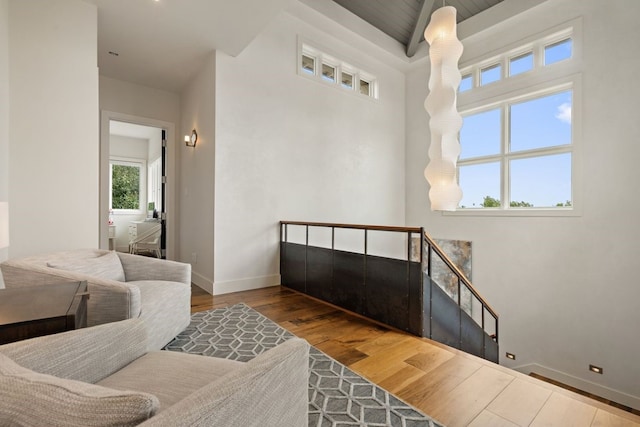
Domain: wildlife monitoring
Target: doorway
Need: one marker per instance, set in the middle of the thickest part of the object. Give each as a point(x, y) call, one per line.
point(136, 159)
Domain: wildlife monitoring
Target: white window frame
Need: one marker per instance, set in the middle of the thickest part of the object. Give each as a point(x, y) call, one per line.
point(540, 81)
point(321, 56)
point(353, 73)
point(129, 161)
point(154, 181)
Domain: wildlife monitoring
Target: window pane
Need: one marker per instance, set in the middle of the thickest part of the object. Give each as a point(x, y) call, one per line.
point(521, 64)
point(328, 73)
point(125, 187)
point(541, 122)
point(347, 80)
point(365, 87)
point(480, 134)
point(480, 185)
point(490, 74)
point(557, 52)
point(466, 83)
point(308, 64)
point(541, 181)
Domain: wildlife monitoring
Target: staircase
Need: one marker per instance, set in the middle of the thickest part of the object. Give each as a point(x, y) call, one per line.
point(385, 274)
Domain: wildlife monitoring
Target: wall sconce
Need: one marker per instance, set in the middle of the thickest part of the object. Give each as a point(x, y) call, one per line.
point(190, 141)
point(445, 122)
point(4, 225)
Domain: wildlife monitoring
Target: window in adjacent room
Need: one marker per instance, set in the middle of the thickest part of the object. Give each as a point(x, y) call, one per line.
point(520, 134)
point(154, 184)
point(128, 185)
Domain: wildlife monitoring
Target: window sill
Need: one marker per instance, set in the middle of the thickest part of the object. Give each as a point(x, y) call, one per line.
point(128, 212)
point(539, 212)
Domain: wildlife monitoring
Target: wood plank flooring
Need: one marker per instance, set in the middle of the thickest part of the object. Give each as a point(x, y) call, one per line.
point(451, 386)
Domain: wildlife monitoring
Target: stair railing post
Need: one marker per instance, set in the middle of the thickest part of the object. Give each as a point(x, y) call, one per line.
point(306, 256)
point(421, 241)
point(460, 308)
point(429, 264)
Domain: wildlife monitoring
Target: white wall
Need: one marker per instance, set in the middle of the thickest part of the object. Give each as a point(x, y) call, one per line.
point(4, 112)
point(153, 107)
point(565, 288)
point(136, 100)
point(197, 169)
point(125, 146)
point(288, 148)
point(53, 125)
point(154, 151)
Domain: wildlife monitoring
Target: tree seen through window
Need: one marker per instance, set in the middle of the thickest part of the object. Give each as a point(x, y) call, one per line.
point(125, 189)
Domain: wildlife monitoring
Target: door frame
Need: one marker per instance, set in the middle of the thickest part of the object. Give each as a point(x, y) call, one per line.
point(170, 195)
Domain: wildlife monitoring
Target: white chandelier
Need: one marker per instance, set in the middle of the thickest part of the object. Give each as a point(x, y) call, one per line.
point(445, 122)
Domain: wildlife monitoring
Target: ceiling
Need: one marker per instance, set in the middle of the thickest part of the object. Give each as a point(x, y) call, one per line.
point(162, 43)
point(405, 20)
point(133, 130)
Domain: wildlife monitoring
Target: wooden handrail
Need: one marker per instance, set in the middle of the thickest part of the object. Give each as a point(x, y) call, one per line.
point(356, 226)
point(460, 274)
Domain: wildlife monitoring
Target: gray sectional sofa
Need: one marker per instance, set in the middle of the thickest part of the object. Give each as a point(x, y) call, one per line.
point(121, 286)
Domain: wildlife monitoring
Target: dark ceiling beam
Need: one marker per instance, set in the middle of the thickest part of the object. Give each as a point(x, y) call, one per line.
point(421, 24)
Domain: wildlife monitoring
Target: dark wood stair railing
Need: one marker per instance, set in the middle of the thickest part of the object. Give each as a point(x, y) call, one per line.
point(396, 292)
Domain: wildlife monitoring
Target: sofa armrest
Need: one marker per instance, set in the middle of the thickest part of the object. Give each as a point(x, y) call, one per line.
point(269, 391)
point(138, 267)
point(109, 300)
point(87, 355)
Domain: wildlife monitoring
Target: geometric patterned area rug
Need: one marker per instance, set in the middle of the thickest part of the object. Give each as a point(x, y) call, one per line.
point(338, 397)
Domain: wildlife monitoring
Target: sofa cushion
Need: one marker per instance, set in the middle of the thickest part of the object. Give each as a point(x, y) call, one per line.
point(186, 373)
point(107, 266)
point(31, 398)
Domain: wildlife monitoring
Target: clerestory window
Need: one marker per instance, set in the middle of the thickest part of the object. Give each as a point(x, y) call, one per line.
point(318, 65)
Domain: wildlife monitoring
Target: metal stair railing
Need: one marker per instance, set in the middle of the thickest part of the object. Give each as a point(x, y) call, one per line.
point(489, 346)
point(397, 292)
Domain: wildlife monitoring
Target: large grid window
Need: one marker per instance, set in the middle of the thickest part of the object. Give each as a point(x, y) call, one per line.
point(518, 154)
point(519, 134)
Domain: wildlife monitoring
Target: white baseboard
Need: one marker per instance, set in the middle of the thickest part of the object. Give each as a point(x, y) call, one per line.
point(581, 384)
point(202, 282)
point(227, 287)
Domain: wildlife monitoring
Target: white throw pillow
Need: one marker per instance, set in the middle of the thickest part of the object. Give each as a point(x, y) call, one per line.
point(107, 266)
point(28, 398)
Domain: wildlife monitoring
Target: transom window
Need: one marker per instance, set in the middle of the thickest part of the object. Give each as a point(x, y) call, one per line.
point(527, 58)
point(519, 139)
point(316, 64)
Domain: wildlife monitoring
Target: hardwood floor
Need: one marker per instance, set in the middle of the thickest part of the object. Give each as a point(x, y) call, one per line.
point(451, 386)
